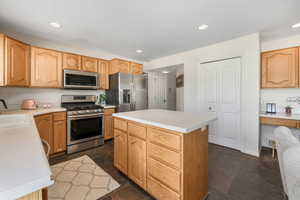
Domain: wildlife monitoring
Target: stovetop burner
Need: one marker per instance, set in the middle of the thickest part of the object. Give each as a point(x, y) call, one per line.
point(80, 106)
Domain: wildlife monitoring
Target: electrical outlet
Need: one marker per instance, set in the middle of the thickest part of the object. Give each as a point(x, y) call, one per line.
point(271, 142)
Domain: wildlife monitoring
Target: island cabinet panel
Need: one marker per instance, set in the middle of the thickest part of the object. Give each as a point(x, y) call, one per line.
point(38, 195)
point(46, 68)
point(89, 64)
point(137, 160)
point(17, 63)
point(2, 42)
point(71, 61)
point(167, 157)
point(120, 150)
point(280, 68)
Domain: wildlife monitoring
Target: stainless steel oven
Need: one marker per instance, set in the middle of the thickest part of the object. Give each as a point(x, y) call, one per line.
point(80, 80)
point(85, 122)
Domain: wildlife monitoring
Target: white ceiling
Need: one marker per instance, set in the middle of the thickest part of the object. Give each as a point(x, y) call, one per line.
point(159, 27)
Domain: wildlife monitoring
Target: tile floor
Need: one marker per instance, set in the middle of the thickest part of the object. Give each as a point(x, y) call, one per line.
point(232, 175)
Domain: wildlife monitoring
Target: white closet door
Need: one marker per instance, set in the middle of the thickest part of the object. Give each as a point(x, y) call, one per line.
point(157, 92)
point(220, 93)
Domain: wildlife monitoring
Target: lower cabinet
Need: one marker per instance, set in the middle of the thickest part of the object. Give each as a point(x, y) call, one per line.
point(52, 128)
point(168, 165)
point(108, 124)
point(137, 161)
point(120, 151)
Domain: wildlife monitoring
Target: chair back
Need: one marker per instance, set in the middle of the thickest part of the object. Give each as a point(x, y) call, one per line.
point(284, 139)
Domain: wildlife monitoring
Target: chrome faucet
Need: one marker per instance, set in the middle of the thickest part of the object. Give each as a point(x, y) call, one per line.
point(3, 102)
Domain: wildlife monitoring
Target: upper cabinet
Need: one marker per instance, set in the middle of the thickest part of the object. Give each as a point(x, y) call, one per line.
point(280, 68)
point(89, 64)
point(46, 68)
point(136, 68)
point(103, 70)
point(119, 65)
point(14, 62)
point(71, 61)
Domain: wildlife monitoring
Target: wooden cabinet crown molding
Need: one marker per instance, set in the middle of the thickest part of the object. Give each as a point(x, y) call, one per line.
point(46, 68)
point(280, 68)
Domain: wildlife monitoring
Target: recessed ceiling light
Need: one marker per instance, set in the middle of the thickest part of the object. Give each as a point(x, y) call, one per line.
point(203, 27)
point(165, 72)
point(55, 24)
point(296, 25)
point(139, 51)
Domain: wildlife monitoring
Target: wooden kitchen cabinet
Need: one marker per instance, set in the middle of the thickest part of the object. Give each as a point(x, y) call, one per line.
point(136, 68)
point(119, 65)
point(108, 123)
point(163, 161)
point(137, 170)
point(17, 63)
point(52, 128)
point(103, 70)
point(71, 61)
point(120, 150)
point(46, 68)
point(89, 64)
point(44, 125)
point(280, 68)
point(59, 132)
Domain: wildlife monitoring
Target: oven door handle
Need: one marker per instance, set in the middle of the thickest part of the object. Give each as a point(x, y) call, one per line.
point(85, 116)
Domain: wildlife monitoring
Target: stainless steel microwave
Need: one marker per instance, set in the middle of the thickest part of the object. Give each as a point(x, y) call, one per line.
point(80, 80)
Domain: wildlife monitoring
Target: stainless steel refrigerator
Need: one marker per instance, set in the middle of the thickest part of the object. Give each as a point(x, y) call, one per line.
point(128, 92)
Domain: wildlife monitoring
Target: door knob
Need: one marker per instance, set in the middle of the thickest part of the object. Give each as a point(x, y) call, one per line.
point(209, 108)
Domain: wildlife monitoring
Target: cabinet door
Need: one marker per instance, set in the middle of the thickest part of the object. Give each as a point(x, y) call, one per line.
point(2, 38)
point(108, 126)
point(89, 64)
point(17, 63)
point(280, 69)
point(71, 61)
point(120, 151)
point(137, 161)
point(59, 136)
point(44, 126)
point(103, 70)
point(136, 68)
point(46, 68)
point(118, 65)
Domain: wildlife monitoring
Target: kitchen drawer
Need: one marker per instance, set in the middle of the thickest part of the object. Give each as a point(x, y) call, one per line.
point(109, 111)
point(279, 122)
point(136, 130)
point(159, 191)
point(166, 175)
point(59, 116)
point(164, 138)
point(164, 155)
point(120, 124)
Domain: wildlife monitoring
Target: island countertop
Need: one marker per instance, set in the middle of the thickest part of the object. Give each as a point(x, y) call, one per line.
point(183, 122)
point(24, 167)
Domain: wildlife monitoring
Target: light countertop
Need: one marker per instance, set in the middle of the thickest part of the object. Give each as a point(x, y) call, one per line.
point(39, 111)
point(281, 115)
point(183, 122)
point(106, 106)
point(24, 167)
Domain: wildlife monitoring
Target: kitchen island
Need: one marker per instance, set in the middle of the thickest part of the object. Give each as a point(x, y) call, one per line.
point(164, 152)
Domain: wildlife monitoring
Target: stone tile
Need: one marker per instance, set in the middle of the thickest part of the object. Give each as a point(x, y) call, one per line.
point(77, 193)
point(82, 179)
point(59, 189)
